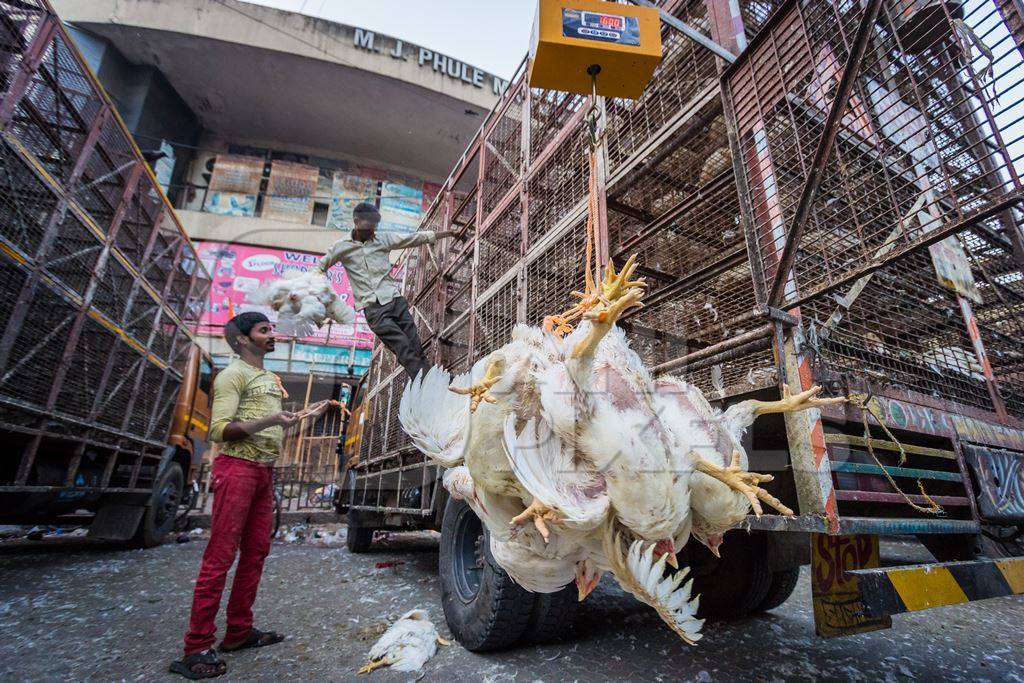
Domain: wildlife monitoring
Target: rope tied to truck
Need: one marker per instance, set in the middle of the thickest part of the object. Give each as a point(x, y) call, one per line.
point(868, 405)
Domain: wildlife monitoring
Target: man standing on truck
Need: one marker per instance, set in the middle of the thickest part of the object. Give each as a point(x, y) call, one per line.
point(364, 254)
point(248, 422)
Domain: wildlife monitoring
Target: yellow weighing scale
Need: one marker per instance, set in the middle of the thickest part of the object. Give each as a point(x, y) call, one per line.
point(575, 40)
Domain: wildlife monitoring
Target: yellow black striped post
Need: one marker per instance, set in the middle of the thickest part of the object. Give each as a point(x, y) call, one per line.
point(892, 590)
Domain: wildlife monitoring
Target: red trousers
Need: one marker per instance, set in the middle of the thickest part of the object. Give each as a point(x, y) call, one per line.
point(243, 514)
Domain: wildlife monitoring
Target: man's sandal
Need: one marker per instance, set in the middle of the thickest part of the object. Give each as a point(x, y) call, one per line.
point(205, 664)
point(257, 638)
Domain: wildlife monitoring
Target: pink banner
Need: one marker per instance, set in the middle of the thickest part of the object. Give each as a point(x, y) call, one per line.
point(239, 269)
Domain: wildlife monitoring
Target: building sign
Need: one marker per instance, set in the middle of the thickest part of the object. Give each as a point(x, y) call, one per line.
point(290, 192)
point(424, 58)
point(331, 356)
point(903, 124)
point(234, 184)
point(239, 269)
point(401, 206)
point(608, 28)
point(346, 193)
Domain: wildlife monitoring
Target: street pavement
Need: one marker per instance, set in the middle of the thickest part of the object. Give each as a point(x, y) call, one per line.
point(72, 610)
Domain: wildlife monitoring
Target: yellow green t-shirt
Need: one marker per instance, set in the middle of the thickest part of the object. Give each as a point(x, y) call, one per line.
point(242, 392)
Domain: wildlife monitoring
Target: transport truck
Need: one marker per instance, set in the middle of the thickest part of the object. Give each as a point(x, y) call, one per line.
point(820, 193)
point(104, 392)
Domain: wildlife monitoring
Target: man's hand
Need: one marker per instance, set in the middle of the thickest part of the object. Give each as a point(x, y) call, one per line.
point(284, 419)
point(236, 431)
point(443, 234)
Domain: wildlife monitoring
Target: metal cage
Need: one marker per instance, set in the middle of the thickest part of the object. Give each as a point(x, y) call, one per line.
point(834, 206)
point(102, 281)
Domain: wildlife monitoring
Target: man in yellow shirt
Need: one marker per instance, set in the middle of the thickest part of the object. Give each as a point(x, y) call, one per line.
point(248, 422)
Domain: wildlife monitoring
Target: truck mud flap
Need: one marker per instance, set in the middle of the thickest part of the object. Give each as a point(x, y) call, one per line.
point(116, 522)
point(893, 590)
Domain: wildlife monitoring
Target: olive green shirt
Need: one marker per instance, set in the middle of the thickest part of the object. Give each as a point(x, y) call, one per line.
point(241, 393)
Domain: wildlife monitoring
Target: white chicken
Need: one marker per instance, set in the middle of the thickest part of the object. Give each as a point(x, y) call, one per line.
point(578, 462)
point(304, 300)
point(406, 645)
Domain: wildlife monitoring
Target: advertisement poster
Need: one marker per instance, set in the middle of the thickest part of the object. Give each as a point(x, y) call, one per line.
point(348, 191)
point(400, 207)
point(230, 204)
point(430, 191)
point(234, 184)
point(338, 356)
point(239, 269)
point(290, 192)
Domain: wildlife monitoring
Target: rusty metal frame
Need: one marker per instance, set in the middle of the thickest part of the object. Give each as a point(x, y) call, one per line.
point(823, 150)
point(781, 341)
point(98, 131)
point(33, 57)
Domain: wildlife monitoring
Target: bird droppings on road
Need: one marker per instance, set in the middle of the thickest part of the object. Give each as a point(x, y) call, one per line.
point(62, 623)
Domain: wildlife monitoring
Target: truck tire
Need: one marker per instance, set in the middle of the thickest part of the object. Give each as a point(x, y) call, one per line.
point(553, 616)
point(484, 608)
point(359, 538)
point(158, 520)
point(782, 585)
point(738, 582)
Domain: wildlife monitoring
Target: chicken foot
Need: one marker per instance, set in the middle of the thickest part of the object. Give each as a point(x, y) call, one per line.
point(540, 514)
point(744, 482)
point(617, 295)
point(480, 391)
point(791, 403)
point(373, 665)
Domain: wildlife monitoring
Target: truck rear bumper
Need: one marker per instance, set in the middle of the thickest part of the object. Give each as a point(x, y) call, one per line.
point(892, 590)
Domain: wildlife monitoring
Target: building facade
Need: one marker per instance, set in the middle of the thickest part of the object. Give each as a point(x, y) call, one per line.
point(272, 125)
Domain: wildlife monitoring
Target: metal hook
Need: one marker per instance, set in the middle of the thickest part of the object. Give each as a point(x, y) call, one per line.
point(592, 113)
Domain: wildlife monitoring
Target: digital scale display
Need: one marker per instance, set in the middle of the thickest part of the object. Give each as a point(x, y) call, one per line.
point(608, 28)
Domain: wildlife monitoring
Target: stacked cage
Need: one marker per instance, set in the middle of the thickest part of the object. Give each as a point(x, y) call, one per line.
point(702, 177)
point(102, 282)
point(879, 159)
point(920, 175)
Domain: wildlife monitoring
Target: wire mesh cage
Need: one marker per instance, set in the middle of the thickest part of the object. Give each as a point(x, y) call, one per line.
point(101, 279)
point(702, 178)
point(879, 146)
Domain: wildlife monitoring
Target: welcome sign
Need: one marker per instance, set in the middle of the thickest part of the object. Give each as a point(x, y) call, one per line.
point(240, 269)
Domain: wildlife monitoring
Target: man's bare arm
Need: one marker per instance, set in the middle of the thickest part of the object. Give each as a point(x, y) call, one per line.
point(235, 431)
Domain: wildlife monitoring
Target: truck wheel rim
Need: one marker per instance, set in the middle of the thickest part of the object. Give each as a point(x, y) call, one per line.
point(468, 555)
point(166, 503)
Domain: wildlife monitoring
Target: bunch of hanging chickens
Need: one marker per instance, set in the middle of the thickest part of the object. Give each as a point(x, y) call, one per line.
point(580, 462)
point(304, 300)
